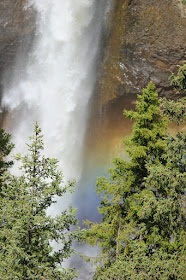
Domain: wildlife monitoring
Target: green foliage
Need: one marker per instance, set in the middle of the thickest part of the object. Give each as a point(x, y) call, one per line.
point(142, 265)
point(179, 80)
point(26, 231)
point(5, 148)
point(174, 110)
point(147, 139)
point(142, 233)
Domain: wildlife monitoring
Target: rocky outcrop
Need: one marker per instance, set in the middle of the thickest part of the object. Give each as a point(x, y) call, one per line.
point(16, 27)
point(146, 42)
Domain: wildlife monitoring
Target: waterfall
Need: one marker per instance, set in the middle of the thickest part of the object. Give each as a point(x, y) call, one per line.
point(55, 86)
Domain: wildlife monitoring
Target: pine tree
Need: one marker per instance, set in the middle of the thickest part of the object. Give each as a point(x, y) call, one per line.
point(26, 231)
point(157, 251)
point(175, 111)
point(147, 139)
point(142, 233)
point(5, 148)
point(119, 226)
point(179, 81)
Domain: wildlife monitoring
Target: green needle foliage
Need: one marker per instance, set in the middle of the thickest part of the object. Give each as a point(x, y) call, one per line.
point(142, 233)
point(144, 266)
point(175, 111)
point(147, 139)
point(179, 80)
point(5, 148)
point(26, 231)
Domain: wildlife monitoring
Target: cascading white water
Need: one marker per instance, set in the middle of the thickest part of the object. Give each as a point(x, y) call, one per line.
point(56, 85)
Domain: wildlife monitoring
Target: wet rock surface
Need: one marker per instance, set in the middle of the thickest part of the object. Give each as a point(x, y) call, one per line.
point(17, 25)
point(146, 42)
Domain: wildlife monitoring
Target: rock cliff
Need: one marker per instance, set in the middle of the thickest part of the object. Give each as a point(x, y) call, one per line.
point(16, 29)
point(146, 41)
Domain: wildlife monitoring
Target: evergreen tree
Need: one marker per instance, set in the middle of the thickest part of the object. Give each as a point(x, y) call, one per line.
point(147, 139)
point(26, 231)
point(142, 232)
point(158, 249)
point(179, 81)
point(175, 111)
point(5, 148)
point(126, 179)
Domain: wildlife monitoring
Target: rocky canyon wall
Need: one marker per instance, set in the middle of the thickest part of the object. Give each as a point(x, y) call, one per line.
point(147, 40)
